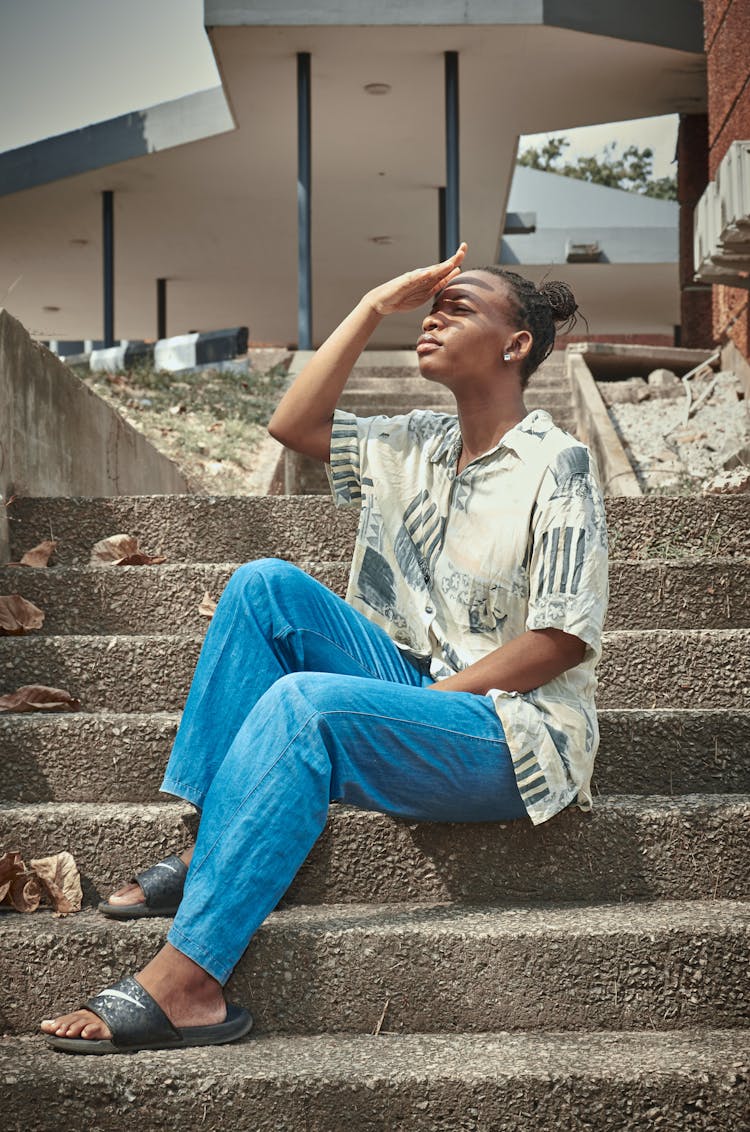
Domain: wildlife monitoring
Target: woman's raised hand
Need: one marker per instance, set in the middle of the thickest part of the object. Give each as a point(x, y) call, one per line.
point(412, 289)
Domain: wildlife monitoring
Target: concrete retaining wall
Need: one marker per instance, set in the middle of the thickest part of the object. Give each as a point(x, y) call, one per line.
point(58, 438)
point(596, 429)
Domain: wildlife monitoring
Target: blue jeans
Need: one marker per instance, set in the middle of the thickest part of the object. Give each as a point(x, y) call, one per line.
point(298, 700)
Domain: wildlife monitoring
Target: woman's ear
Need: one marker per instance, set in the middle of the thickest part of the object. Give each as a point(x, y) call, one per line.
point(520, 345)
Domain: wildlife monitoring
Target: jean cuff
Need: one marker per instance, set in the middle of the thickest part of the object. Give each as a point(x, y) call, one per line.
point(205, 959)
point(183, 790)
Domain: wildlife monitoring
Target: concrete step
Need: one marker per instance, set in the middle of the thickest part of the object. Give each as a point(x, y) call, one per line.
point(440, 969)
point(121, 756)
point(152, 672)
point(236, 529)
point(367, 402)
point(602, 1082)
point(421, 387)
point(689, 847)
point(672, 594)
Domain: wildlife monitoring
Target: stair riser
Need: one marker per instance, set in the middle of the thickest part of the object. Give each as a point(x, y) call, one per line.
point(547, 375)
point(236, 529)
point(366, 403)
point(421, 389)
point(662, 669)
point(692, 850)
point(643, 595)
point(76, 757)
point(303, 982)
point(495, 1083)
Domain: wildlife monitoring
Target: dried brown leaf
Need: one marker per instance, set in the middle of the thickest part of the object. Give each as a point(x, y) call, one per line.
point(38, 556)
point(113, 549)
point(24, 893)
point(141, 559)
point(207, 607)
point(37, 697)
point(61, 882)
point(122, 550)
point(17, 615)
point(11, 866)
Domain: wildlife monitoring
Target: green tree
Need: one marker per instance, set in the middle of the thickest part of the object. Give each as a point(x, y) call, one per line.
point(631, 170)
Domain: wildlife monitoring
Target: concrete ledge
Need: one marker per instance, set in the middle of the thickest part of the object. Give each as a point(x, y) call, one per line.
point(692, 847)
point(187, 351)
point(614, 359)
point(116, 359)
point(152, 672)
point(447, 968)
point(596, 429)
point(685, 594)
point(182, 352)
point(694, 1081)
point(68, 758)
point(237, 528)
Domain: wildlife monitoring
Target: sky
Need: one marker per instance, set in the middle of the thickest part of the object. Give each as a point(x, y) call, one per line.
point(67, 63)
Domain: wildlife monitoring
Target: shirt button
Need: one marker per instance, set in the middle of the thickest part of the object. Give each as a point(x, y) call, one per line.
point(429, 609)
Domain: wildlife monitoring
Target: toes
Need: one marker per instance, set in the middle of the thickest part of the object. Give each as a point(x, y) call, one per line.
point(128, 894)
point(80, 1024)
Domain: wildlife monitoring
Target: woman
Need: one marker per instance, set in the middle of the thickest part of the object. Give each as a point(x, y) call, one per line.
point(479, 573)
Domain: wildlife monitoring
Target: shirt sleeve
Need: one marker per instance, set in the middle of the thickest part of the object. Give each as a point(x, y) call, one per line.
point(345, 469)
point(568, 580)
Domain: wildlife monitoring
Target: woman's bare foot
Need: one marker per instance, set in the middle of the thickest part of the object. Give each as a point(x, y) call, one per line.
point(187, 994)
point(133, 893)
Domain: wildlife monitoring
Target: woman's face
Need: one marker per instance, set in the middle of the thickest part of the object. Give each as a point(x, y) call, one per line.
point(469, 329)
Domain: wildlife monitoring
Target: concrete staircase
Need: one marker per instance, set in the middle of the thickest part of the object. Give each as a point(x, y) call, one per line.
point(390, 382)
point(590, 974)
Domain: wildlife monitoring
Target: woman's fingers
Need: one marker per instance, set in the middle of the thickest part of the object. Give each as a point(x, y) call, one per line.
point(414, 288)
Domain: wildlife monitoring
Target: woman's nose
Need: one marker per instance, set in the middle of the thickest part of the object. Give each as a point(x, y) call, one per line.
point(430, 321)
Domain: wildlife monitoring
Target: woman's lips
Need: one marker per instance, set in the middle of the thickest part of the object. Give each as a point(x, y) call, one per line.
point(427, 345)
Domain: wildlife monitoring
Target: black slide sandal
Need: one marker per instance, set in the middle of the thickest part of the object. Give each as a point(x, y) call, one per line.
point(162, 884)
point(137, 1022)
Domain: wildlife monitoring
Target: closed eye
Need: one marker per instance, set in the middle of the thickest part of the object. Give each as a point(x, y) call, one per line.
point(453, 306)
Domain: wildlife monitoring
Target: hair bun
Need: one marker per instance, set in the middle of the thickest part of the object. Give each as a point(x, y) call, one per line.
point(560, 298)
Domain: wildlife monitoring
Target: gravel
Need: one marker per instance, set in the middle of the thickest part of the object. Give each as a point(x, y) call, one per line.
point(671, 455)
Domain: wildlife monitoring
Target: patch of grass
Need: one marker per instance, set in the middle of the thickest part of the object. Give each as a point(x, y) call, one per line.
point(209, 423)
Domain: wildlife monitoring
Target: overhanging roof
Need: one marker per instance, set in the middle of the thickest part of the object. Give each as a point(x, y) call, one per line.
point(217, 216)
point(628, 227)
point(177, 122)
point(670, 23)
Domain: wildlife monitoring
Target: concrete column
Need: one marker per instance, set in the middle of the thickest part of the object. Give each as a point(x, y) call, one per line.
point(108, 266)
point(161, 308)
point(304, 187)
point(452, 194)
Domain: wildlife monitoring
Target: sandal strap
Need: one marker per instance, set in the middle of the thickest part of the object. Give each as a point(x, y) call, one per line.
point(163, 883)
point(132, 1015)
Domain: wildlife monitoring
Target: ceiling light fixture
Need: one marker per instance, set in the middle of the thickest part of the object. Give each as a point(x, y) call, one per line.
point(378, 88)
point(52, 310)
point(384, 240)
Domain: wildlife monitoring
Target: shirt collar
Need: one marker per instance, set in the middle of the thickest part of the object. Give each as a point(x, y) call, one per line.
point(523, 439)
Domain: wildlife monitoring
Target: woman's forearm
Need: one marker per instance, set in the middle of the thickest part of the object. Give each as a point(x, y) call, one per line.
point(527, 662)
point(302, 420)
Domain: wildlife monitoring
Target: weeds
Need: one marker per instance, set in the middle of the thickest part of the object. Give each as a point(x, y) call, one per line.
point(209, 423)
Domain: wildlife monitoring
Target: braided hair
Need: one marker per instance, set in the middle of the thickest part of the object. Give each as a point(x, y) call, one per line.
point(540, 310)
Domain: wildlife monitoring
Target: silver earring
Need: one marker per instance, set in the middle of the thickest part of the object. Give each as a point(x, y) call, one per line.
point(506, 357)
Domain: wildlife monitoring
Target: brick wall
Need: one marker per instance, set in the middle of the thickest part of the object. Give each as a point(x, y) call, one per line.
point(727, 41)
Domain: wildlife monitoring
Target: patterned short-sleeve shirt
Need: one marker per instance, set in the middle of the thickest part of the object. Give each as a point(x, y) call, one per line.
point(453, 566)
